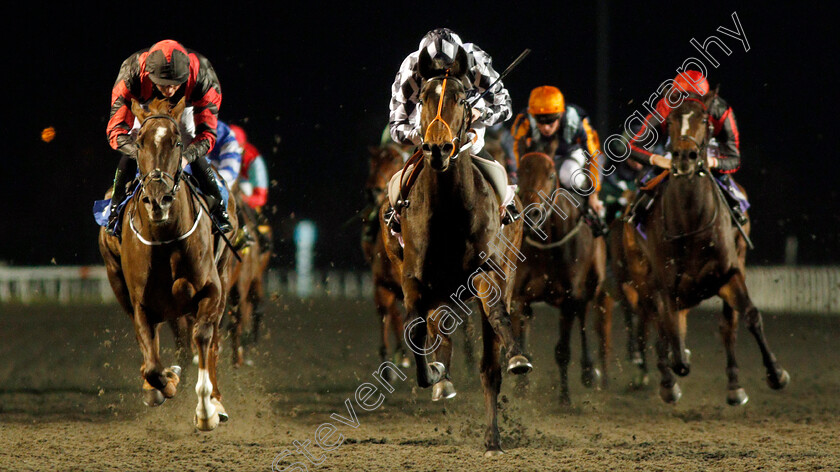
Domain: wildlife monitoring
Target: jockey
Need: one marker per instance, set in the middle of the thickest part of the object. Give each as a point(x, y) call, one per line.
point(494, 107)
point(561, 130)
point(226, 155)
point(723, 155)
point(253, 183)
point(167, 71)
point(253, 176)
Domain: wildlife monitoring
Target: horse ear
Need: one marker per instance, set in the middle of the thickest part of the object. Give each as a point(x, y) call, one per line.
point(179, 109)
point(707, 100)
point(461, 65)
point(424, 65)
point(138, 111)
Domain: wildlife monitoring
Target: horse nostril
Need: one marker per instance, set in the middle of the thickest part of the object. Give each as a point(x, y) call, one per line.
point(692, 155)
point(447, 149)
point(427, 148)
point(167, 199)
point(146, 200)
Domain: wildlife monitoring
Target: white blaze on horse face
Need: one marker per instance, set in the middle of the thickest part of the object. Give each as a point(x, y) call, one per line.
point(159, 134)
point(685, 125)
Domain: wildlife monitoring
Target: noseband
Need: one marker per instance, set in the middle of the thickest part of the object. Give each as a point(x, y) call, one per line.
point(454, 140)
point(700, 167)
point(157, 175)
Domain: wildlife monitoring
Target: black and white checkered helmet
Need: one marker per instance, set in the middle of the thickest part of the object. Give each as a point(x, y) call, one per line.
point(442, 45)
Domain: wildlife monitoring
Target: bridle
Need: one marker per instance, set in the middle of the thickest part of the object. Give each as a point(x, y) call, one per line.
point(699, 169)
point(465, 122)
point(568, 236)
point(700, 147)
point(157, 175)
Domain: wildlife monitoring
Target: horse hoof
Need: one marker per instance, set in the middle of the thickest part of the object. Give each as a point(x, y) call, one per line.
point(640, 381)
point(152, 397)
point(405, 363)
point(208, 424)
point(494, 453)
point(436, 371)
point(670, 395)
point(176, 369)
point(565, 399)
point(195, 359)
point(172, 375)
point(591, 377)
point(443, 390)
point(391, 376)
point(737, 397)
point(681, 369)
point(519, 365)
point(220, 410)
point(778, 382)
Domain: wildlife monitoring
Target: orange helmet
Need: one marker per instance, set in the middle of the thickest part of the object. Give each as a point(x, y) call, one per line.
point(698, 84)
point(546, 100)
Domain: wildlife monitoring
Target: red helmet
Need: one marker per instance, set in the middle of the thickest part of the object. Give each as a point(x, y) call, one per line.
point(695, 82)
point(168, 63)
point(241, 137)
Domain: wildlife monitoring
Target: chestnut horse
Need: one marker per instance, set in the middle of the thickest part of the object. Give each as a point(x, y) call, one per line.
point(248, 291)
point(385, 161)
point(167, 264)
point(693, 251)
point(453, 237)
point(565, 267)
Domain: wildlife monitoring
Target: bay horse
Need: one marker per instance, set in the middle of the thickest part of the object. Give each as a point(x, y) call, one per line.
point(692, 251)
point(565, 267)
point(385, 161)
point(449, 225)
point(167, 266)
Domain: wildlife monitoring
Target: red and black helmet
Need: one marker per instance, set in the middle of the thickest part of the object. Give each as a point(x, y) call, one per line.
point(692, 81)
point(168, 63)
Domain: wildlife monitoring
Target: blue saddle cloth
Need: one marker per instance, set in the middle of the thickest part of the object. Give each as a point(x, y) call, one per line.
point(102, 208)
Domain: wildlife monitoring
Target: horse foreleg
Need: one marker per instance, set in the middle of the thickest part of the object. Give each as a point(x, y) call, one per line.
point(728, 332)
point(443, 389)
point(396, 325)
point(734, 293)
point(159, 383)
point(209, 411)
point(381, 300)
point(521, 317)
point(603, 307)
point(589, 375)
point(415, 335)
point(562, 351)
point(669, 390)
point(673, 325)
point(499, 318)
point(491, 383)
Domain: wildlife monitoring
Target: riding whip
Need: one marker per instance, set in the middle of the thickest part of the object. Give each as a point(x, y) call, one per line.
point(221, 233)
point(502, 76)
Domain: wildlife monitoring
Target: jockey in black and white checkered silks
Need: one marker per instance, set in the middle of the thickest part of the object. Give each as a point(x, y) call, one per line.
point(443, 46)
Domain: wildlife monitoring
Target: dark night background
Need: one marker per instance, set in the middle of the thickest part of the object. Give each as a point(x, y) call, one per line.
point(313, 83)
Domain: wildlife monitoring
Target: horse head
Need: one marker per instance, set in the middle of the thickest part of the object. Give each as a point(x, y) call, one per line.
point(536, 174)
point(690, 131)
point(159, 157)
point(385, 161)
point(445, 114)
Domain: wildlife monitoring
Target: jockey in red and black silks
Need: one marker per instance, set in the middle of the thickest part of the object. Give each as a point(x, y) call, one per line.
point(168, 71)
point(725, 134)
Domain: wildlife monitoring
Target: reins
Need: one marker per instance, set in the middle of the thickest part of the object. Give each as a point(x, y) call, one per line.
point(568, 236)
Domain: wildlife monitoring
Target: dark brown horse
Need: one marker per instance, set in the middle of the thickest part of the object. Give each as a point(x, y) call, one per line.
point(454, 240)
point(385, 161)
point(167, 264)
point(565, 267)
point(693, 251)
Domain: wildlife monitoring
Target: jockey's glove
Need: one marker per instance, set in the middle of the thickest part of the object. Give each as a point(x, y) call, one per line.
point(130, 150)
point(196, 150)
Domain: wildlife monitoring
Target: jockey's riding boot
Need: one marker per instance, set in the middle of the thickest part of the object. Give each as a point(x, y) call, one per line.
point(511, 214)
point(639, 207)
point(392, 219)
point(739, 215)
point(118, 195)
point(206, 178)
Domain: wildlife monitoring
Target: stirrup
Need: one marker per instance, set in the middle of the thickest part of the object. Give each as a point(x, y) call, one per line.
point(740, 217)
point(391, 219)
point(111, 227)
point(222, 219)
point(511, 214)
